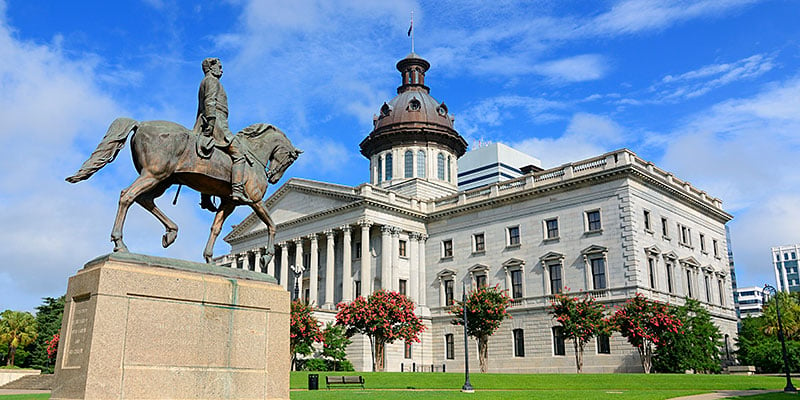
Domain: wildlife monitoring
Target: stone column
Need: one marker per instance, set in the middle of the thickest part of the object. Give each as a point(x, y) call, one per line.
point(284, 264)
point(366, 260)
point(298, 260)
point(413, 273)
point(246, 261)
point(386, 255)
point(257, 260)
point(395, 259)
point(347, 262)
point(442, 295)
point(589, 285)
point(422, 283)
point(329, 273)
point(313, 282)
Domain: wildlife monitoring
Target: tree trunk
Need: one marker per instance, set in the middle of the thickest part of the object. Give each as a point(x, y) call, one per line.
point(578, 355)
point(12, 351)
point(483, 353)
point(646, 354)
point(380, 345)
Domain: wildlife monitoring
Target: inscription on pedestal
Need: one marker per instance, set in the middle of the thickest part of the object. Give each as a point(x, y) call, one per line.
point(76, 352)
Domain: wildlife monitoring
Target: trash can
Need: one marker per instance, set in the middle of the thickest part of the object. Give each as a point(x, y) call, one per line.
point(313, 381)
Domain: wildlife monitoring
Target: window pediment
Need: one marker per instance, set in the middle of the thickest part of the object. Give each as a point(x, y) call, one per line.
point(671, 255)
point(478, 268)
point(446, 273)
point(551, 256)
point(594, 249)
point(690, 261)
point(654, 250)
point(513, 263)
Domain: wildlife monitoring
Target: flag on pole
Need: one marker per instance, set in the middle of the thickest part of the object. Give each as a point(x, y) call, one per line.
point(411, 25)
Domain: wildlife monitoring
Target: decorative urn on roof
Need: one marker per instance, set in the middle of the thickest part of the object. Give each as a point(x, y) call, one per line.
point(413, 136)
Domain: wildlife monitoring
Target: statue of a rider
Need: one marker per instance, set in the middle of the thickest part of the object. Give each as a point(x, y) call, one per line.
point(212, 125)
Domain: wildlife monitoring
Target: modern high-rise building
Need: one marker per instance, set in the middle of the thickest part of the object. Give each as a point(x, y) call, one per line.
point(784, 263)
point(750, 301)
point(492, 163)
point(610, 226)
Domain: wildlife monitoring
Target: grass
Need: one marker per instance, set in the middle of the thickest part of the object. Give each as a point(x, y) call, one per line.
point(424, 386)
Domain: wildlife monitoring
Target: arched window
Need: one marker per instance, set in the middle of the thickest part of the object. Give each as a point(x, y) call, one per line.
point(449, 170)
point(440, 166)
point(421, 164)
point(409, 164)
point(388, 172)
point(380, 170)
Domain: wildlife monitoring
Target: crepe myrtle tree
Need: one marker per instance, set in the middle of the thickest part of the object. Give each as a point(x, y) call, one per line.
point(384, 317)
point(304, 330)
point(581, 319)
point(645, 324)
point(487, 307)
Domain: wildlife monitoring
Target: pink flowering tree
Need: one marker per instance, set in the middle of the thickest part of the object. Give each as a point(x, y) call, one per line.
point(645, 323)
point(487, 307)
point(581, 319)
point(52, 346)
point(383, 317)
point(304, 330)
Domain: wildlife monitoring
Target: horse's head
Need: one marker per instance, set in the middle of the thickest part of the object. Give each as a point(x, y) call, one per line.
point(282, 158)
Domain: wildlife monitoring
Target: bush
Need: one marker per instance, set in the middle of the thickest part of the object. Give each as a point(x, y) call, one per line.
point(316, 364)
point(345, 365)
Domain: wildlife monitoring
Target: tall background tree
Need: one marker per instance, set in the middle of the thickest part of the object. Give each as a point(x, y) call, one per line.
point(334, 347)
point(17, 329)
point(697, 347)
point(645, 323)
point(383, 317)
point(487, 307)
point(581, 320)
point(303, 332)
point(757, 343)
point(48, 324)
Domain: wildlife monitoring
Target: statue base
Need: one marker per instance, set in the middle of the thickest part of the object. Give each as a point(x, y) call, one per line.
point(142, 327)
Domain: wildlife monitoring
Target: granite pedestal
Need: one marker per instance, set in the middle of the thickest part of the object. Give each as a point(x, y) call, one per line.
point(142, 327)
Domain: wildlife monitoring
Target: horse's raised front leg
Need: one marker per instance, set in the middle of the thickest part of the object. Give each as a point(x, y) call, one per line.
point(225, 210)
point(147, 200)
point(142, 184)
point(263, 214)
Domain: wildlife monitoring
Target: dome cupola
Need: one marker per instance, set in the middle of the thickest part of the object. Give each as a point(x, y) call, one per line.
point(413, 136)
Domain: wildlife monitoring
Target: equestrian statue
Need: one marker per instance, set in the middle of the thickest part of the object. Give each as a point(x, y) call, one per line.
point(166, 154)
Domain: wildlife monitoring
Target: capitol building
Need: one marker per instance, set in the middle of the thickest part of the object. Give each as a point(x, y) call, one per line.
point(434, 217)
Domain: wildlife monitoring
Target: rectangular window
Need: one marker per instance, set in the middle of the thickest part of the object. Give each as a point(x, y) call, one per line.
point(702, 242)
point(449, 347)
point(715, 247)
point(686, 235)
point(708, 288)
point(357, 251)
point(403, 248)
point(558, 342)
point(598, 273)
point(603, 344)
point(447, 248)
point(651, 264)
point(519, 343)
point(721, 289)
point(516, 284)
point(689, 283)
point(407, 349)
point(479, 243)
point(555, 278)
point(664, 227)
point(593, 220)
point(647, 225)
point(357, 289)
point(402, 287)
point(552, 228)
point(448, 292)
point(513, 235)
point(480, 281)
point(669, 277)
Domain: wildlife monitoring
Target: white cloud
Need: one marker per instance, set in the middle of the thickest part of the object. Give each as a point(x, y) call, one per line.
point(580, 68)
point(702, 80)
point(587, 135)
point(474, 122)
point(744, 151)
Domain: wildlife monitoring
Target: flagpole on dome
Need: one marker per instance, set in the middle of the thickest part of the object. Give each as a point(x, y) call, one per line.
point(411, 31)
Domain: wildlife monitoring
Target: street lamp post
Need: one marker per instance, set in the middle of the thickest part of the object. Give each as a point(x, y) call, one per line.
point(789, 387)
point(298, 272)
point(467, 388)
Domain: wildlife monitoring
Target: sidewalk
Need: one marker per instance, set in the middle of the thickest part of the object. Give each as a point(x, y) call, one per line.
point(21, 391)
point(724, 394)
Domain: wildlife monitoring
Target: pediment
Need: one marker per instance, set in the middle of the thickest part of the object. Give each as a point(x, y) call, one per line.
point(478, 268)
point(653, 250)
point(671, 255)
point(446, 273)
point(690, 261)
point(594, 249)
point(513, 262)
point(552, 256)
point(297, 198)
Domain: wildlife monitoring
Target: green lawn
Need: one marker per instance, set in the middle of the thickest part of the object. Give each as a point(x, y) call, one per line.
point(424, 386)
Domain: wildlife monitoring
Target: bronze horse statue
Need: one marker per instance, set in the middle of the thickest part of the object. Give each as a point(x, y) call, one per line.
point(164, 154)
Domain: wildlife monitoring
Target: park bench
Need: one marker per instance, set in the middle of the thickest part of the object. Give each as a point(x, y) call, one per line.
point(343, 380)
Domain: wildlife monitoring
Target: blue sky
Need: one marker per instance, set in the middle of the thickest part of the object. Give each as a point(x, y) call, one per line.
point(708, 90)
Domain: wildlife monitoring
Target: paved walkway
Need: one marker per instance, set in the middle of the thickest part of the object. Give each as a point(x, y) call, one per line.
point(22, 391)
point(724, 394)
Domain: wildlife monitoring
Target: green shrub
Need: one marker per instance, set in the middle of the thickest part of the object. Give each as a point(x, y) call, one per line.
point(316, 364)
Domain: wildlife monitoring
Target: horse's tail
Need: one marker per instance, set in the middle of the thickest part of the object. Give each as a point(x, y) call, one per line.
point(107, 150)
